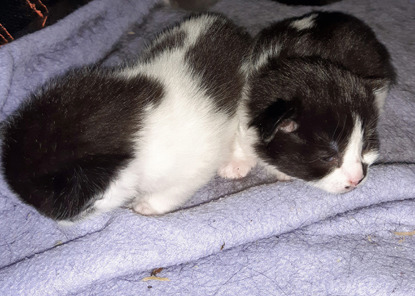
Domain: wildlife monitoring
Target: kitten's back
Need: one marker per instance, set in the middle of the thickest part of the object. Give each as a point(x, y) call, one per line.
point(93, 140)
point(66, 143)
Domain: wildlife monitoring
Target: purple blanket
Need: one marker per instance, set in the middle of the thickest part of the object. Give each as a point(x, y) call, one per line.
point(252, 236)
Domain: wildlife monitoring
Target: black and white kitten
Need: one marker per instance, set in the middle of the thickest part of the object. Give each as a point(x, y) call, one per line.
point(148, 135)
point(316, 85)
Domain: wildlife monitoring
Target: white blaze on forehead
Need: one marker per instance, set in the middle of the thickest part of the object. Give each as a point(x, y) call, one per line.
point(351, 168)
point(304, 23)
point(353, 150)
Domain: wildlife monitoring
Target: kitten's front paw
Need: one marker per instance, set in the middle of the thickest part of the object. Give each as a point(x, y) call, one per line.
point(144, 208)
point(236, 169)
point(283, 177)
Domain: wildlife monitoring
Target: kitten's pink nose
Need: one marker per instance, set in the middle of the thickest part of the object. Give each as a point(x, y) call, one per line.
point(354, 182)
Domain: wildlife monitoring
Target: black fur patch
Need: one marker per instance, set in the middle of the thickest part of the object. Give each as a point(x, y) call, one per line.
point(335, 36)
point(64, 146)
point(217, 58)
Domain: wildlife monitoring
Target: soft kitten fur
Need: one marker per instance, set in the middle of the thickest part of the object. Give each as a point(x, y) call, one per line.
point(316, 85)
point(147, 135)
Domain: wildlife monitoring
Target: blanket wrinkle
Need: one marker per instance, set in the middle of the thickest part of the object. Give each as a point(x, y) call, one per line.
point(281, 238)
point(162, 247)
point(6, 74)
point(95, 25)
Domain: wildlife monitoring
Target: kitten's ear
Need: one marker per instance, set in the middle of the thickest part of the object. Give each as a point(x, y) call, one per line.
point(287, 126)
point(279, 116)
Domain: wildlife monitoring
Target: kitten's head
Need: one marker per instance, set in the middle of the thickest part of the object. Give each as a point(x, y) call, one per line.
point(315, 122)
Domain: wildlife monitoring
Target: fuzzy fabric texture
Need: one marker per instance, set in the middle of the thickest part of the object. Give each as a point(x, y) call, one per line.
point(252, 236)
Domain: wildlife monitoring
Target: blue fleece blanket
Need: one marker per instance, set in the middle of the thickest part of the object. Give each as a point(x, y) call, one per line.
point(252, 236)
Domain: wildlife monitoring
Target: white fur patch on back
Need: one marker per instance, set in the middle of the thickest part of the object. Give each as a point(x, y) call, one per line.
point(183, 140)
point(196, 27)
point(304, 23)
point(264, 57)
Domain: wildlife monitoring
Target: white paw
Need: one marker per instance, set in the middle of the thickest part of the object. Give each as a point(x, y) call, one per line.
point(236, 169)
point(144, 208)
point(283, 177)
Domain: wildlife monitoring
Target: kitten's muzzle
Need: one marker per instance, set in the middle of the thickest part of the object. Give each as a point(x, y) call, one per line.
point(354, 184)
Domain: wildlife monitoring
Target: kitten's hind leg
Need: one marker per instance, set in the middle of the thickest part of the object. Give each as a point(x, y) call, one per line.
point(164, 201)
point(237, 168)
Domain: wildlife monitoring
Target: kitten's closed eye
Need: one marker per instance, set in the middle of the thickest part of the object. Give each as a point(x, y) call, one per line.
point(331, 156)
point(332, 160)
